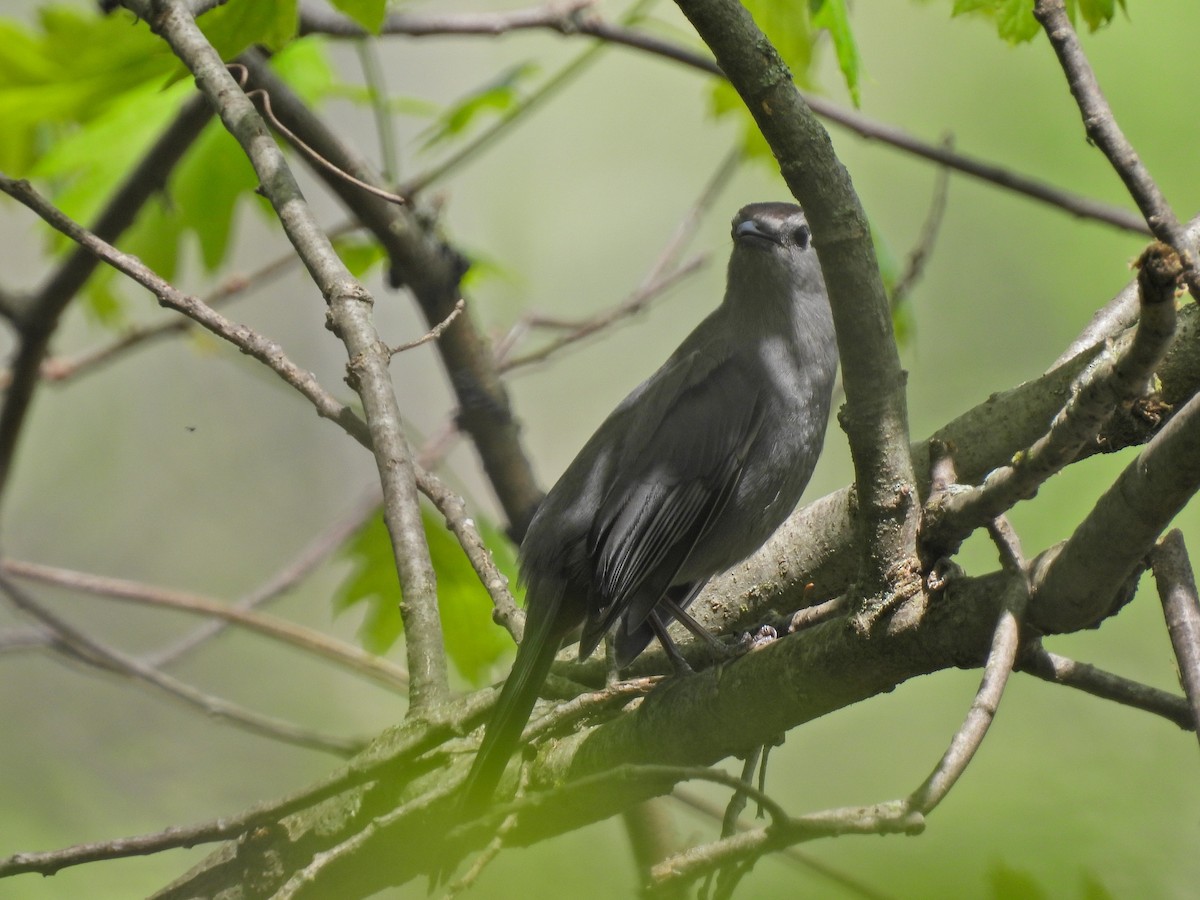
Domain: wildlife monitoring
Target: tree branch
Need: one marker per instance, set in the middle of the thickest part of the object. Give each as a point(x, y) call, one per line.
point(666, 271)
point(1093, 573)
point(94, 653)
point(380, 670)
point(350, 319)
point(817, 545)
point(1103, 131)
point(1000, 660)
point(270, 354)
point(294, 571)
point(1052, 667)
point(1181, 607)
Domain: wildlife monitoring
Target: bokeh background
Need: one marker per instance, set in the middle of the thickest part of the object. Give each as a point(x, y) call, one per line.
point(185, 465)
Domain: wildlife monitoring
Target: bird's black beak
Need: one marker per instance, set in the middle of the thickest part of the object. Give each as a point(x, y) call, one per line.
point(750, 230)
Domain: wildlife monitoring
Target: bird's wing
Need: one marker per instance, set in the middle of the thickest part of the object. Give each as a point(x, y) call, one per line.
point(683, 452)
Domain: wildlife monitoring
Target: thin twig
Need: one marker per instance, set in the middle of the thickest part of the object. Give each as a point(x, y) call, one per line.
point(270, 354)
point(242, 73)
point(453, 508)
point(248, 341)
point(1104, 132)
point(791, 854)
point(809, 616)
point(377, 668)
point(1118, 314)
point(411, 739)
point(377, 94)
point(307, 875)
point(666, 271)
point(1181, 608)
point(516, 113)
point(18, 639)
point(918, 258)
point(225, 828)
point(630, 306)
point(1000, 660)
point(436, 331)
point(58, 370)
point(737, 803)
point(102, 656)
point(562, 716)
point(1040, 662)
point(882, 818)
point(421, 259)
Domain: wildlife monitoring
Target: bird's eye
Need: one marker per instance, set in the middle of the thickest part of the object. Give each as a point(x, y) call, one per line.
point(801, 236)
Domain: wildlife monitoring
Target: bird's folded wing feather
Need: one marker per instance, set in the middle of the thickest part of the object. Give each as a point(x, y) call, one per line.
point(680, 462)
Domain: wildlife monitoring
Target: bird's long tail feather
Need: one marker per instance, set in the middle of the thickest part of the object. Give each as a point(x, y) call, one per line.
point(543, 634)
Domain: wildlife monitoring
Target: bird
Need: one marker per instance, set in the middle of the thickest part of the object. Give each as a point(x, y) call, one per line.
point(690, 474)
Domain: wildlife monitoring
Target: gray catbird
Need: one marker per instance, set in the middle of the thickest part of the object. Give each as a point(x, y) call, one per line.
point(690, 474)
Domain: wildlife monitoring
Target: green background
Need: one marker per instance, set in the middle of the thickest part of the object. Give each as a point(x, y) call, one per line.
point(1068, 797)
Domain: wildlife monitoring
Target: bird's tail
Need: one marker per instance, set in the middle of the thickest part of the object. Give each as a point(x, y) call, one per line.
point(543, 634)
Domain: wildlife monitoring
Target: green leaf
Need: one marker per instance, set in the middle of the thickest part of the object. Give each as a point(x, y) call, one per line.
point(1098, 13)
point(359, 254)
point(207, 186)
point(90, 161)
point(831, 15)
point(724, 101)
point(789, 27)
point(367, 13)
point(1015, 22)
point(497, 96)
point(73, 68)
point(472, 642)
point(239, 24)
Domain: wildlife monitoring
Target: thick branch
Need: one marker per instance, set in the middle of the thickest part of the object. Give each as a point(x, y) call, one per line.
point(350, 318)
point(1087, 577)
